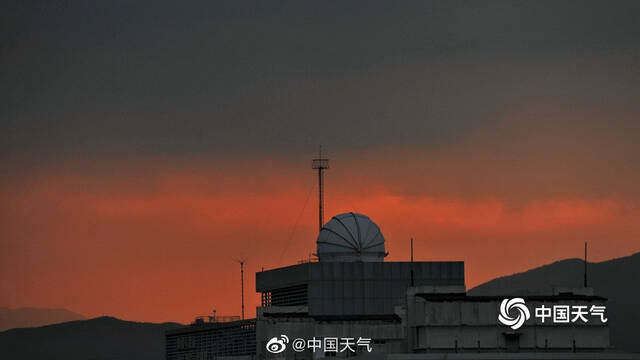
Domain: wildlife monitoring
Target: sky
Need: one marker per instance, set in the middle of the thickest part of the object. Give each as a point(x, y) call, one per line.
point(146, 146)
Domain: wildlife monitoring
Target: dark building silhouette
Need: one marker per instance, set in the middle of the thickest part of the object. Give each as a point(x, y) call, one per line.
point(211, 339)
point(402, 310)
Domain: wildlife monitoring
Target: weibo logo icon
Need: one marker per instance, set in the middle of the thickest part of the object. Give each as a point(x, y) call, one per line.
point(513, 313)
point(277, 344)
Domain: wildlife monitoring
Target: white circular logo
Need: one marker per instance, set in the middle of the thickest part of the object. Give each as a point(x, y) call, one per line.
point(277, 344)
point(521, 313)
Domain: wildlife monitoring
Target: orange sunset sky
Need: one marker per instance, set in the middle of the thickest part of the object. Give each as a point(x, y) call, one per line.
point(144, 149)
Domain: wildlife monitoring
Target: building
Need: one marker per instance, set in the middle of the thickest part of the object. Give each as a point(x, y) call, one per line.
point(212, 338)
point(456, 323)
point(352, 303)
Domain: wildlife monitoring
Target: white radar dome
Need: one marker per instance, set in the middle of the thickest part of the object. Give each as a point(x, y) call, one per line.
point(350, 237)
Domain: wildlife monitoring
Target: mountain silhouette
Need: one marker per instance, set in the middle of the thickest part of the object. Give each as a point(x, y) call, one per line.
point(103, 338)
point(106, 338)
point(32, 317)
point(615, 279)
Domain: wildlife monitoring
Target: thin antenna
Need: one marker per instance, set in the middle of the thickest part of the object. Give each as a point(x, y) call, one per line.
point(411, 261)
point(411, 249)
point(241, 262)
point(321, 164)
point(585, 264)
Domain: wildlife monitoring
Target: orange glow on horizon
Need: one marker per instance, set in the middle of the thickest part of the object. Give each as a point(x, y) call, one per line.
point(161, 246)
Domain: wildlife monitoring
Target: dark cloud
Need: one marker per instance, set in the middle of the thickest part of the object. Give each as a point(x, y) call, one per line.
point(91, 79)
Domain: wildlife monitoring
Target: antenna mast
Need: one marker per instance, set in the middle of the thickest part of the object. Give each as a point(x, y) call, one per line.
point(321, 164)
point(585, 264)
point(241, 262)
point(412, 262)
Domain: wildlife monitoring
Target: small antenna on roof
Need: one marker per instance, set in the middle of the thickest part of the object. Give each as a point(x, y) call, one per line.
point(241, 262)
point(585, 264)
point(411, 249)
point(411, 261)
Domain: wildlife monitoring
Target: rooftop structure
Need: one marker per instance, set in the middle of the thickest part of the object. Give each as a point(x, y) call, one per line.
point(409, 310)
